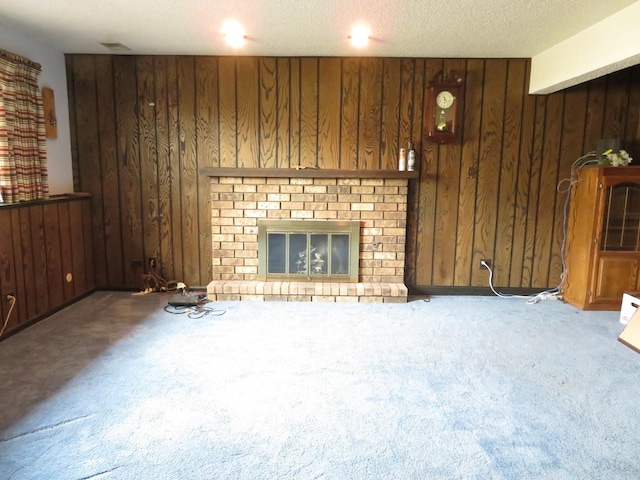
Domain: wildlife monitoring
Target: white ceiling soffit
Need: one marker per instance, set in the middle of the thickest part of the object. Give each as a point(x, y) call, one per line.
point(607, 46)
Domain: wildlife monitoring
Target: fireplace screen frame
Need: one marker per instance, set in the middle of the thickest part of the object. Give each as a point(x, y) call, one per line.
point(308, 227)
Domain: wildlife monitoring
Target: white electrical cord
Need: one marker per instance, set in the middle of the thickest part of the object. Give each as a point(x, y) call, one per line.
point(12, 299)
point(552, 293)
point(588, 159)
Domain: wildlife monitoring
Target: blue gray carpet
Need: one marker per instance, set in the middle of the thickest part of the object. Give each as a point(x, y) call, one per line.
point(113, 387)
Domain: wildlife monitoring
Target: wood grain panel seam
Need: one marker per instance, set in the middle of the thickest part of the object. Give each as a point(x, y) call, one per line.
point(235, 93)
point(220, 162)
point(290, 121)
point(381, 116)
point(117, 169)
point(196, 138)
point(338, 162)
point(537, 216)
point(139, 154)
point(299, 112)
point(419, 184)
point(73, 124)
point(475, 200)
point(517, 176)
point(277, 117)
point(259, 106)
point(554, 225)
point(458, 175)
point(500, 172)
point(318, 103)
point(100, 159)
point(358, 115)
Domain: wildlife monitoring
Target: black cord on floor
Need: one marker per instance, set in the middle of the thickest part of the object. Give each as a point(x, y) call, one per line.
point(199, 311)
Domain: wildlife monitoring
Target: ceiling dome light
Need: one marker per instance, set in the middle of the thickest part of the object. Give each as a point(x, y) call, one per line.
point(233, 33)
point(360, 35)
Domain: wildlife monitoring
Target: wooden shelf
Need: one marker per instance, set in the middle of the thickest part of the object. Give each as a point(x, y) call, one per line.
point(43, 201)
point(304, 173)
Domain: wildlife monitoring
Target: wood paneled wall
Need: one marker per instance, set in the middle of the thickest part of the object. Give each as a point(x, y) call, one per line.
point(142, 126)
point(40, 244)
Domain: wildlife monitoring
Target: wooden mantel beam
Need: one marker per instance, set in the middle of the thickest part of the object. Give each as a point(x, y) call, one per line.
point(304, 173)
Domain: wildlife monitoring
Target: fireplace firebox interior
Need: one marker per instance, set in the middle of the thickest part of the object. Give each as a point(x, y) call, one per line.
point(308, 250)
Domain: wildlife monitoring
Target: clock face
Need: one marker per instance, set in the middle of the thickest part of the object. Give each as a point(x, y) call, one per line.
point(445, 99)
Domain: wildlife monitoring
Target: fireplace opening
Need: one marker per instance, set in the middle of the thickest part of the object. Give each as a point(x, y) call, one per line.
point(307, 250)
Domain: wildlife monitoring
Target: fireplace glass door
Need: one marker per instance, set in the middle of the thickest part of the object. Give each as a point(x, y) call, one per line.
point(308, 250)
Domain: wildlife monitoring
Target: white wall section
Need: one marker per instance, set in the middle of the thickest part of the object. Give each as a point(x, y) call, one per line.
point(54, 76)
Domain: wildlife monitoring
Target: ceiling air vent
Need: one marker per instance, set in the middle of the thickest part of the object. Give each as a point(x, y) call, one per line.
point(116, 47)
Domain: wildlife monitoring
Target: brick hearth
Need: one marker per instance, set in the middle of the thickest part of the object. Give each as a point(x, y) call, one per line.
point(307, 291)
point(380, 204)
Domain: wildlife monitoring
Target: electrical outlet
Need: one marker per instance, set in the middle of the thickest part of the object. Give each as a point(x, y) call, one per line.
point(152, 264)
point(487, 261)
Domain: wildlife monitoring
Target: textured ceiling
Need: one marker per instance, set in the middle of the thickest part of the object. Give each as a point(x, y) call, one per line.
point(409, 28)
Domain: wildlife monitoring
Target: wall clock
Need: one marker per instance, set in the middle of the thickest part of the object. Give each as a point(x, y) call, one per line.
point(442, 112)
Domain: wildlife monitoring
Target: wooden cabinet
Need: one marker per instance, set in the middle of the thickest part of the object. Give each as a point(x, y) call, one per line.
point(603, 237)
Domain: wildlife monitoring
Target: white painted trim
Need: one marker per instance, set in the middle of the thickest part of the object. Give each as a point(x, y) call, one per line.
point(607, 46)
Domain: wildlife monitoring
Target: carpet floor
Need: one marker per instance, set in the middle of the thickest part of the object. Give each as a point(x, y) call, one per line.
point(114, 387)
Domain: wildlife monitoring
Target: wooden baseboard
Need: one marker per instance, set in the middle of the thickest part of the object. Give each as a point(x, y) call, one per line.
point(428, 290)
point(40, 317)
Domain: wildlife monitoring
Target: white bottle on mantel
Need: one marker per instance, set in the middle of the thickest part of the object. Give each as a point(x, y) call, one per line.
point(402, 160)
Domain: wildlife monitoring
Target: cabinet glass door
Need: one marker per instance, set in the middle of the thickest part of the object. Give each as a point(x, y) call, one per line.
point(621, 223)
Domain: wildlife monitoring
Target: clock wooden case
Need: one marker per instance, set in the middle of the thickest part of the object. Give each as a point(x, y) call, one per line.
point(442, 110)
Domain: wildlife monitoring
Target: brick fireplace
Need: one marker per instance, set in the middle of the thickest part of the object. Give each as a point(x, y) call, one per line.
point(242, 197)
